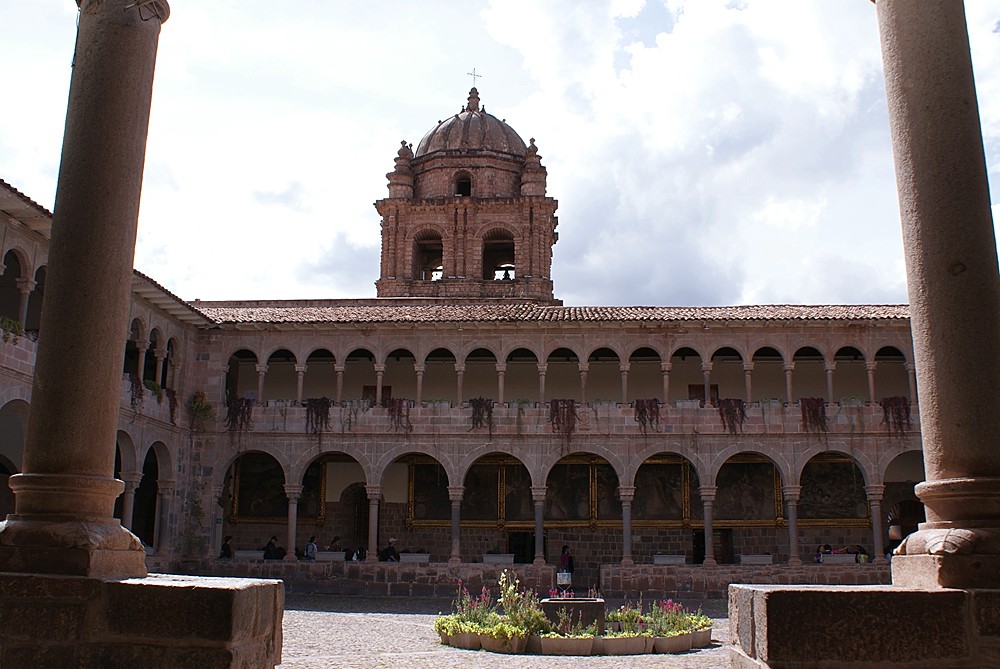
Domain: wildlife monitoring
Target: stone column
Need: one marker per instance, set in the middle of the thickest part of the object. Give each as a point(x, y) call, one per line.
point(261, 373)
point(911, 380)
point(459, 382)
point(374, 496)
point(294, 492)
point(140, 365)
point(455, 495)
point(24, 288)
point(870, 371)
point(625, 494)
point(541, 383)
point(954, 288)
point(132, 480)
point(64, 498)
point(584, 369)
point(708, 499)
point(164, 495)
point(339, 369)
point(789, 367)
point(665, 369)
point(300, 379)
point(160, 354)
point(706, 371)
point(538, 497)
point(748, 381)
point(623, 369)
point(224, 369)
point(829, 368)
point(379, 374)
point(501, 373)
point(419, 369)
point(791, 494)
point(875, 493)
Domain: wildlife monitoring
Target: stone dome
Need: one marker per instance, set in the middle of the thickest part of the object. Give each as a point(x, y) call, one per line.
point(472, 129)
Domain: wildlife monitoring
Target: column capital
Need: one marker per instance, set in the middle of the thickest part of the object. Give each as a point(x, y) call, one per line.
point(131, 478)
point(460, 368)
point(665, 367)
point(791, 493)
point(374, 492)
point(706, 366)
point(583, 366)
point(538, 493)
point(829, 366)
point(707, 493)
point(501, 367)
point(875, 492)
point(379, 368)
point(339, 369)
point(625, 367)
point(542, 368)
point(626, 493)
point(748, 366)
point(293, 491)
point(261, 369)
point(871, 365)
point(419, 368)
point(301, 369)
point(166, 488)
point(25, 286)
point(455, 493)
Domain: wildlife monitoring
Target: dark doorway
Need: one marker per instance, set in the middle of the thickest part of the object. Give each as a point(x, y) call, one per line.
point(522, 545)
point(144, 512)
point(722, 546)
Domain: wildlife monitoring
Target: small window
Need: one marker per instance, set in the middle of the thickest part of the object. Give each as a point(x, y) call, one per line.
point(463, 186)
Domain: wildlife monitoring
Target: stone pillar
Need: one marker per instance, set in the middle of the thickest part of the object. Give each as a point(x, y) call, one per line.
point(224, 370)
point(24, 288)
point(538, 497)
point(261, 373)
point(379, 375)
point(623, 370)
point(501, 373)
point(954, 287)
point(374, 496)
point(789, 367)
point(455, 495)
point(300, 379)
point(706, 372)
point(911, 380)
point(875, 493)
point(293, 492)
point(419, 369)
point(665, 370)
point(160, 354)
point(829, 368)
point(625, 494)
point(748, 381)
point(132, 480)
point(64, 498)
point(708, 499)
point(870, 371)
point(791, 494)
point(140, 365)
point(459, 382)
point(541, 383)
point(339, 369)
point(584, 369)
point(164, 496)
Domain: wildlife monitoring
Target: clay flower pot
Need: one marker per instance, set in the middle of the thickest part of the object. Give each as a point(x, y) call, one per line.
point(561, 645)
point(465, 641)
point(515, 645)
point(679, 643)
point(701, 638)
point(625, 645)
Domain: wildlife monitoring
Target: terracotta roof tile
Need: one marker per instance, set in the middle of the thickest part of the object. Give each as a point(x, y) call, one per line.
point(458, 313)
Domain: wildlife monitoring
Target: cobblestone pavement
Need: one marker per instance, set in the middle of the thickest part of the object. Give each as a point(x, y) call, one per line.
point(327, 632)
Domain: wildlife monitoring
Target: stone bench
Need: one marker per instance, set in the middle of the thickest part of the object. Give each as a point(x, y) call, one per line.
point(414, 557)
point(245, 554)
point(330, 556)
point(839, 558)
point(756, 559)
point(669, 559)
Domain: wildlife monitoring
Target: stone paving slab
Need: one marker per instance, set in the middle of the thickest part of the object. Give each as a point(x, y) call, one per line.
point(324, 632)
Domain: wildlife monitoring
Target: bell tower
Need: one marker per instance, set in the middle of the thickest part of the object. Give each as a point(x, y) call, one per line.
point(467, 217)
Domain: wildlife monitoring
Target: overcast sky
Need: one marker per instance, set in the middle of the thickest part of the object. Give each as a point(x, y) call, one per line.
point(707, 152)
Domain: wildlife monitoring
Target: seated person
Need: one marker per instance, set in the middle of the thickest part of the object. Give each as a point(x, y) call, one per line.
point(389, 553)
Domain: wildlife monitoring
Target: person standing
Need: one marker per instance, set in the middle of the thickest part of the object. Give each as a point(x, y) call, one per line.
point(271, 549)
point(566, 561)
point(227, 547)
point(311, 548)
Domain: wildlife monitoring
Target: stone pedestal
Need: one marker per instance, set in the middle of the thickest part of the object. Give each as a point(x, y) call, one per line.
point(156, 621)
point(824, 626)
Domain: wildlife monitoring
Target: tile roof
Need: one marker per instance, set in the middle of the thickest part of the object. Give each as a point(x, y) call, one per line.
point(369, 312)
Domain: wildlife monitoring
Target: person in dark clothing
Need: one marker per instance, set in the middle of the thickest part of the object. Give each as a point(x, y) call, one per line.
point(389, 553)
point(271, 551)
point(227, 547)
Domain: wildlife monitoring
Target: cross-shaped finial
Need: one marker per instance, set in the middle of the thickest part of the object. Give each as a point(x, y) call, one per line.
point(474, 76)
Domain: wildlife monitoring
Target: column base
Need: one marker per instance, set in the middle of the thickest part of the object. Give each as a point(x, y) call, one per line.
point(946, 571)
point(539, 560)
point(709, 562)
point(70, 547)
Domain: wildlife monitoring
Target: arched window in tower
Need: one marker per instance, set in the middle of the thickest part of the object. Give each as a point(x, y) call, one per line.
point(463, 184)
point(498, 256)
point(428, 262)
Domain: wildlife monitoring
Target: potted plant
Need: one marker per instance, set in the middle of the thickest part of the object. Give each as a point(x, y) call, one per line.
point(631, 637)
point(667, 622)
point(701, 629)
point(568, 637)
point(470, 616)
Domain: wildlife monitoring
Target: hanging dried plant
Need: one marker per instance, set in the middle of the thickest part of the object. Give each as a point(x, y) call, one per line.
point(318, 415)
point(399, 414)
point(239, 414)
point(647, 414)
point(896, 414)
point(482, 414)
point(813, 414)
point(136, 391)
point(733, 412)
point(562, 416)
